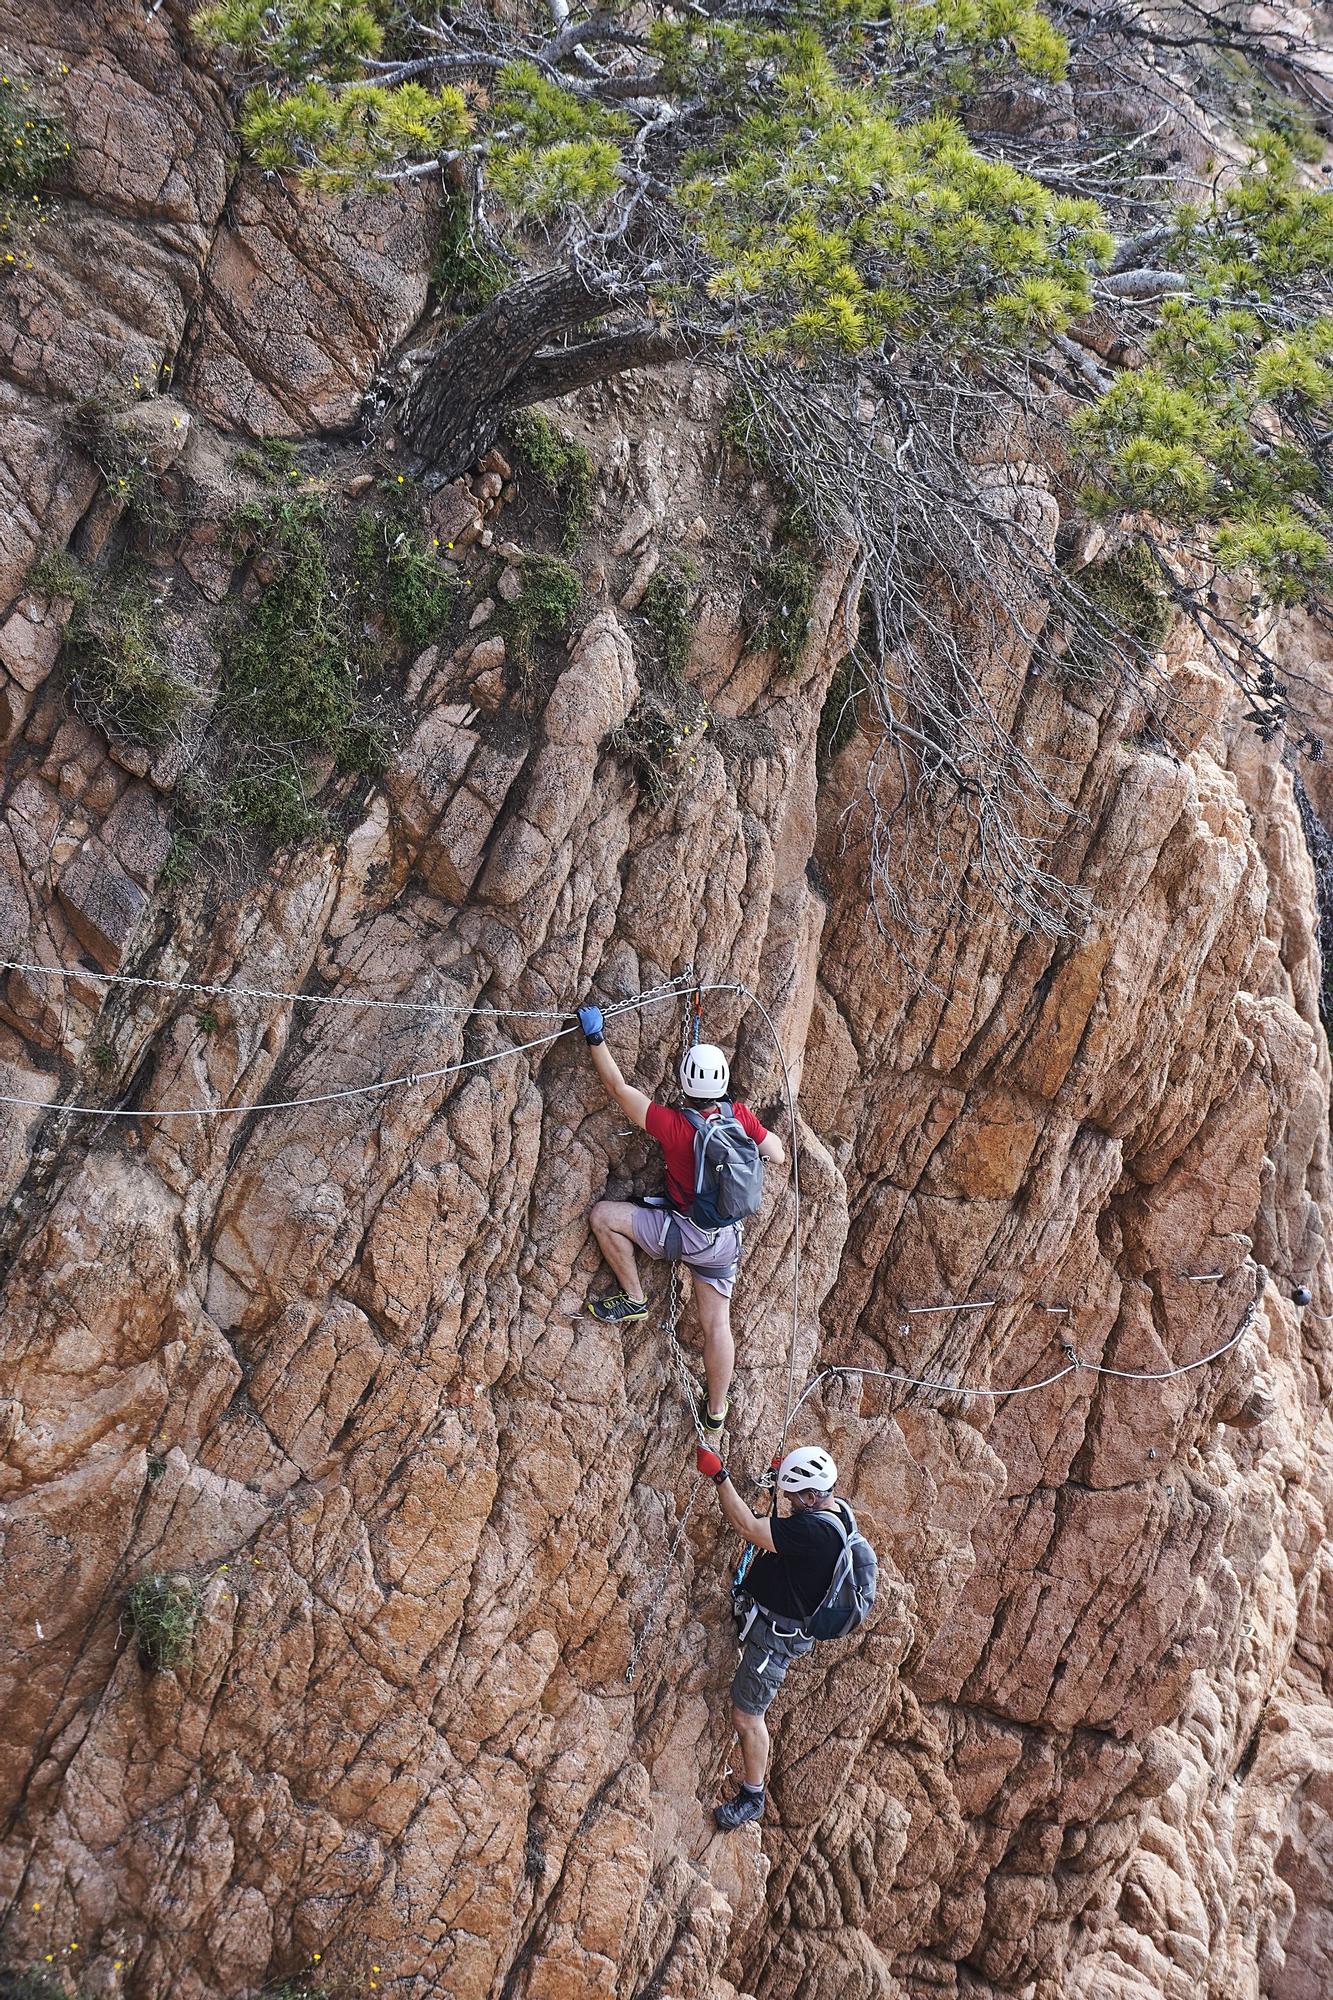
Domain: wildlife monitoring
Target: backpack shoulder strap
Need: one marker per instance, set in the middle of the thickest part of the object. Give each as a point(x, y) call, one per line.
point(702, 1130)
point(835, 1520)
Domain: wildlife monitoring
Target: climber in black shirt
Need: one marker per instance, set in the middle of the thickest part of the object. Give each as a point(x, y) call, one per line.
point(785, 1585)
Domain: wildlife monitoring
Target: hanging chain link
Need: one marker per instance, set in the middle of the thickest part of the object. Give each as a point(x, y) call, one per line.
point(689, 1387)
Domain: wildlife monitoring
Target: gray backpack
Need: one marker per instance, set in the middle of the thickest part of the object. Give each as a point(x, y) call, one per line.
point(850, 1597)
point(728, 1172)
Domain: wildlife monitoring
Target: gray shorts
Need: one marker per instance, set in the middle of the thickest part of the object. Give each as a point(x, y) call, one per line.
point(765, 1658)
point(713, 1255)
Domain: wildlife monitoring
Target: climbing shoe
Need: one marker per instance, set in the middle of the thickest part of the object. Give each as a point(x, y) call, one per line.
point(746, 1805)
point(711, 1426)
point(618, 1309)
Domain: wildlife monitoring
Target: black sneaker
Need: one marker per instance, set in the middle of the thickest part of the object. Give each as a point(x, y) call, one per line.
point(618, 1309)
point(739, 1811)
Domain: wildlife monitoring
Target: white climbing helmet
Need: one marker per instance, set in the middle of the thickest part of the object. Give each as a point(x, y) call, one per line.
point(704, 1071)
point(806, 1467)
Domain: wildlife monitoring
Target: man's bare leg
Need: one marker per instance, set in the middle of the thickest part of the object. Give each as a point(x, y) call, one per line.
point(613, 1226)
point(719, 1348)
point(752, 1731)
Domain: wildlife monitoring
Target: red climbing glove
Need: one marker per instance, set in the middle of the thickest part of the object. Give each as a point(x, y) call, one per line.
point(710, 1465)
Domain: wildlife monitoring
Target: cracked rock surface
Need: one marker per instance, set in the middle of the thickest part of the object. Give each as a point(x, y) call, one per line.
point(329, 1362)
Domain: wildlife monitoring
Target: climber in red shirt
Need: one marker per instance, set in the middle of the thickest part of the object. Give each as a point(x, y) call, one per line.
point(624, 1227)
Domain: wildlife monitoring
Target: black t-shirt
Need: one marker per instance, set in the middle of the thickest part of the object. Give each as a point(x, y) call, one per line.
point(792, 1582)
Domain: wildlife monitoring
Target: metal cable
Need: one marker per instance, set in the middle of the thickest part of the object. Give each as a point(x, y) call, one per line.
point(408, 1079)
point(432, 1008)
point(1074, 1366)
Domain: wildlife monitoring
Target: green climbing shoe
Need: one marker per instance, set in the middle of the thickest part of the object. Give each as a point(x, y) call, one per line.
point(618, 1309)
point(712, 1426)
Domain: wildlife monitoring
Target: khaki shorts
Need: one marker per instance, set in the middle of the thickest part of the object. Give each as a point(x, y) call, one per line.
point(713, 1255)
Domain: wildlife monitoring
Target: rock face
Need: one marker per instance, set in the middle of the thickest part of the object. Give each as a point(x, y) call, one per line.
point(327, 1363)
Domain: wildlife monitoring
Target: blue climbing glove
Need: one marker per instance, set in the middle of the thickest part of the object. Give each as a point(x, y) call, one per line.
point(591, 1022)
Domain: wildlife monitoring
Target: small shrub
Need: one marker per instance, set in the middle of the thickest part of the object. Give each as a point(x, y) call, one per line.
point(275, 805)
point(838, 717)
point(208, 1022)
point(163, 1612)
point(34, 1982)
point(660, 738)
point(786, 581)
point(55, 573)
point(564, 468)
point(665, 607)
point(155, 1468)
point(96, 427)
point(182, 858)
point(466, 275)
point(365, 748)
point(272, 459)
point(103, 1058)
point(289, 678)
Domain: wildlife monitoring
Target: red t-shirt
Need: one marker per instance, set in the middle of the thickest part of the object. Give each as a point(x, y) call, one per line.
point(675, 1135)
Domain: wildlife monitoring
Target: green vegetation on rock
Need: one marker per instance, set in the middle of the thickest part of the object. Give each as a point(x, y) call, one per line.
point(116, 668)
point(34, 145)
point(163, 1611)
point(399, 570)
point(1124, 609)
point(786, 580)
point(666, 607)
point(563, 467)
point(549, 595)
point(1220, 430)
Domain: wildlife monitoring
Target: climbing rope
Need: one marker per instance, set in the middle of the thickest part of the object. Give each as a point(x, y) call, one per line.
point(433, 1008)
point(1073, 1365)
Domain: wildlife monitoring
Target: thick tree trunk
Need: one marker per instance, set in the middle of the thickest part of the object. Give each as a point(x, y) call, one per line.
point(494, 365)
point(452, 412)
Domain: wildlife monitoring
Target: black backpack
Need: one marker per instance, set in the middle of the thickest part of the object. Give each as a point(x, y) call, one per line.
point(728, 1172)
point(850, 1597)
